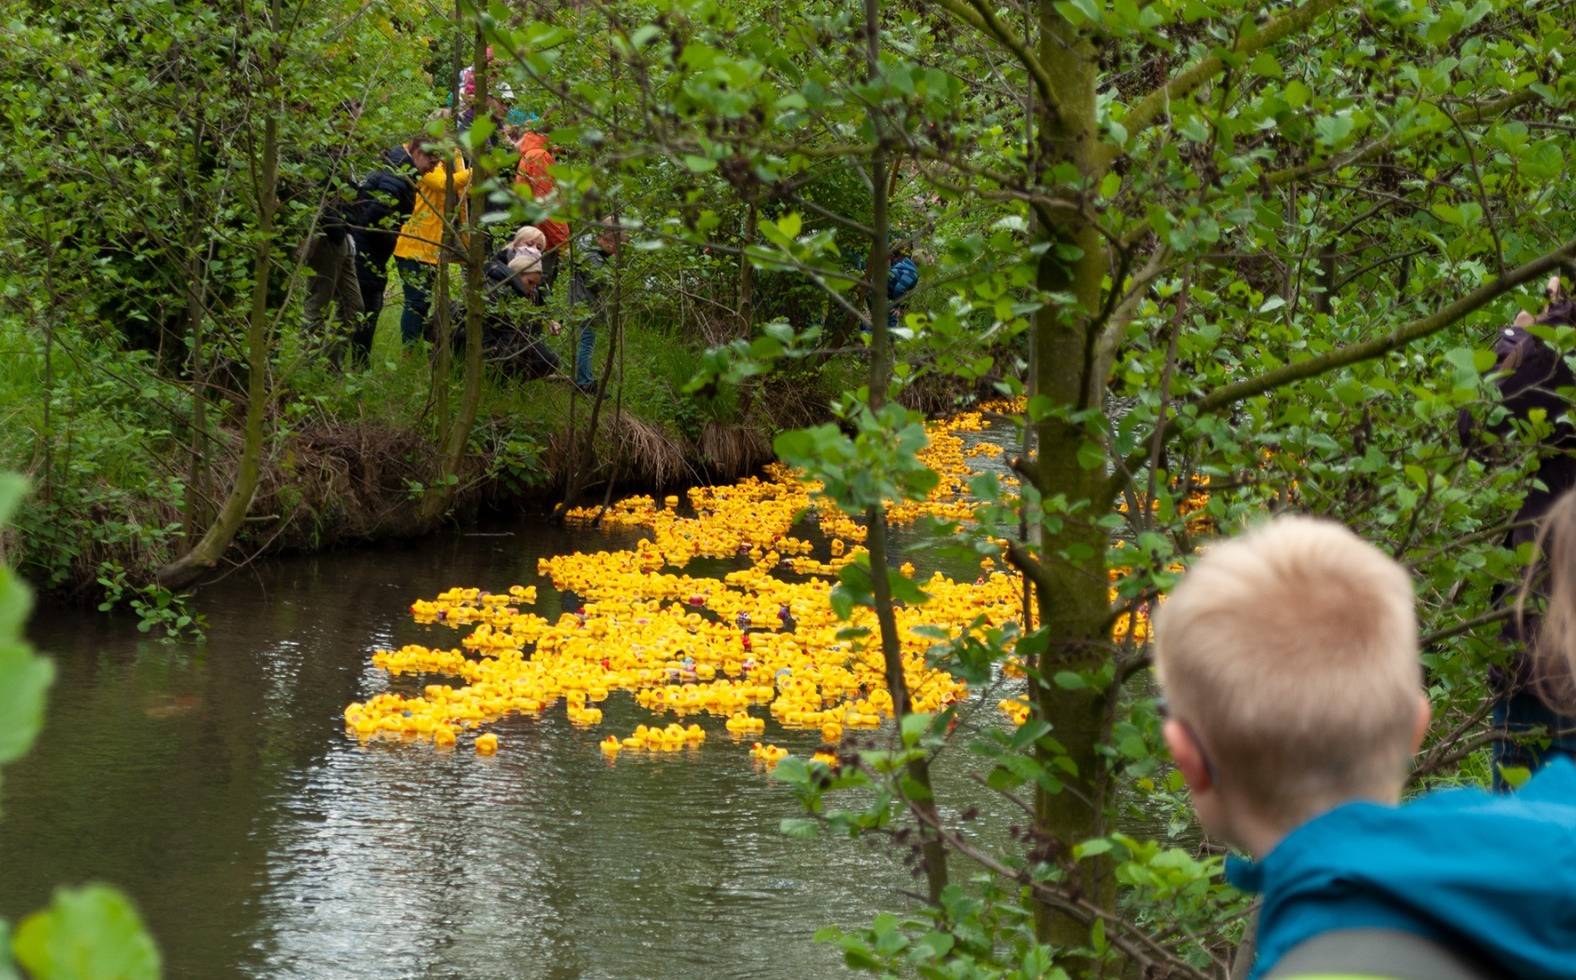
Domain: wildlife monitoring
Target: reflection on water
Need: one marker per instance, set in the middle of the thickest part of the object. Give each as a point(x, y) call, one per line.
point(216, 784)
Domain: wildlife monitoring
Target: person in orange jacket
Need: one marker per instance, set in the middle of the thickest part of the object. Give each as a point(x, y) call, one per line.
point(420, 244)
point(532, 170)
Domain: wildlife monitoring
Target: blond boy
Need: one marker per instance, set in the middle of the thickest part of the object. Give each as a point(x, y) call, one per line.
point(1289, 662)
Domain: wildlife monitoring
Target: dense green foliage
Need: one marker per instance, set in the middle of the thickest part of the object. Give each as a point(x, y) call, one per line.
point(1258, 252)
point(132, 205)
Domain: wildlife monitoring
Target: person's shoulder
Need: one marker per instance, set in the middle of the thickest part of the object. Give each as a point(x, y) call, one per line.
point(1393, 954)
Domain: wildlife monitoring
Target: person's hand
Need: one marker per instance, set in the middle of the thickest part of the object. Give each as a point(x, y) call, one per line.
point(554, 327)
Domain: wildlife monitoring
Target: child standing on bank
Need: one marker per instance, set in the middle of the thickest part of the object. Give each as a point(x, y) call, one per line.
point(1288, 657)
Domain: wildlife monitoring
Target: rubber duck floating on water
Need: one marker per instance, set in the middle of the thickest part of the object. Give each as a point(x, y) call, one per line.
point(688, 645)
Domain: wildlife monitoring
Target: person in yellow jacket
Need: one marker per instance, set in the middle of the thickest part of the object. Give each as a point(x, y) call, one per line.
point(417, 252)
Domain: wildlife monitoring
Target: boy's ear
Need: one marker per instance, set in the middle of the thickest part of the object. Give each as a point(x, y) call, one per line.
point(1188, 755)
point(1425, 714)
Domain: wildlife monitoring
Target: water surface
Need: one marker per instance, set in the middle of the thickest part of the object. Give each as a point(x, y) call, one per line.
point(216, 784)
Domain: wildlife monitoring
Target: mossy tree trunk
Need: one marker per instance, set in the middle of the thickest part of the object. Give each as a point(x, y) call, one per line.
point(1072, 584)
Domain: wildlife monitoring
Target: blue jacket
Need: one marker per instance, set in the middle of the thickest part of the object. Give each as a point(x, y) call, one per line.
point(1490, 875)
point(902, 277)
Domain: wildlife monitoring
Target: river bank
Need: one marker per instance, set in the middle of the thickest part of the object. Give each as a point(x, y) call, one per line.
point(122, 483)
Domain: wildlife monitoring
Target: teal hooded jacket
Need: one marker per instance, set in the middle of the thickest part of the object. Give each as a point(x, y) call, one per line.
point(1490, 876)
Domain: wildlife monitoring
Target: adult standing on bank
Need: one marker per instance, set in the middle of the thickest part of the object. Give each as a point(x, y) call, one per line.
point(588, 291)
point(330, 258)
point(384, 202)
point(420, 245)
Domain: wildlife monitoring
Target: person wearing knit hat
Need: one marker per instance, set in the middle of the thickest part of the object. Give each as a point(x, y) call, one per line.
point(526, 267)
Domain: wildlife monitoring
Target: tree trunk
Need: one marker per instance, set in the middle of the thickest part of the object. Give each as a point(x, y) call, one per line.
point(746, 297)
point(921, 796)
point(196, 513)
point(456, 432)
point(207, 552)
point(1073, 598)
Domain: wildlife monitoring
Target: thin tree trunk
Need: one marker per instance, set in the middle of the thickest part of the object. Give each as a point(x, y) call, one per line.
point(921, 794)
point(207, 552)
point(456, 432)
point(746, 297)
point(195, 512)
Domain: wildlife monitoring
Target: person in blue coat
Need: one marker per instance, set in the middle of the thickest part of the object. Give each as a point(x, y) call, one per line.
point(1488, 879)
point(1288, 659)
point(902, 279)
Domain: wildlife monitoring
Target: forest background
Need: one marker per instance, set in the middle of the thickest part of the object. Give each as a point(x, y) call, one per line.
point(1251, 251)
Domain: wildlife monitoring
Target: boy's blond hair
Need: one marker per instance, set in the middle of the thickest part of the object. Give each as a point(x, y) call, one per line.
point(1291, 652)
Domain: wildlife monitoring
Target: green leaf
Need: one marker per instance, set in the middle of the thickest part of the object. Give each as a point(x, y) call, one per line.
point(87, 933)
point(1091, 848)
point(7, 967)
point(13, 487)
point(940, 943)
point(24, 678)
point(904, 589)
point(1091, 455)
point(841, 601)
point(1088, 11)
point(914, 726)
point(1543, 161)
point(1515, 776)
point(1031, 731)
point(699, 165)
point(1070, 681)
point(799, 827)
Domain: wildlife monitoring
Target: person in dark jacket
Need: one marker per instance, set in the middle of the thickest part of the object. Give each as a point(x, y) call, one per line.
point(1288, 657)
point(1531, 377)
point(512, 321)
point(384, 200)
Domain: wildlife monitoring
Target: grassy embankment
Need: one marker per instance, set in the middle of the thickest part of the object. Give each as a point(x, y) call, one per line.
point(350, 454)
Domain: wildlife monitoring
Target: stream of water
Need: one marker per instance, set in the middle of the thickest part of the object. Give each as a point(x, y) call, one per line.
point(217, 785)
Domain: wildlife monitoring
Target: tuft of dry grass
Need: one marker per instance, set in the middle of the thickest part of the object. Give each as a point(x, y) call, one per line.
point(647, 454)
point(730, 451)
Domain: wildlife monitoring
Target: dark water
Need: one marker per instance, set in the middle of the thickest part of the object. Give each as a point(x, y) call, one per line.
point(215, 783)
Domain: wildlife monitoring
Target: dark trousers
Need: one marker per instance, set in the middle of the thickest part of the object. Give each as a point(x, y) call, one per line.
point(1531, 733)
point(373, 278)
point(417, 278)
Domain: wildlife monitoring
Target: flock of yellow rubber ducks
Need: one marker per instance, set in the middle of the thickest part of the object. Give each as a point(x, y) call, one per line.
point(759, 641)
